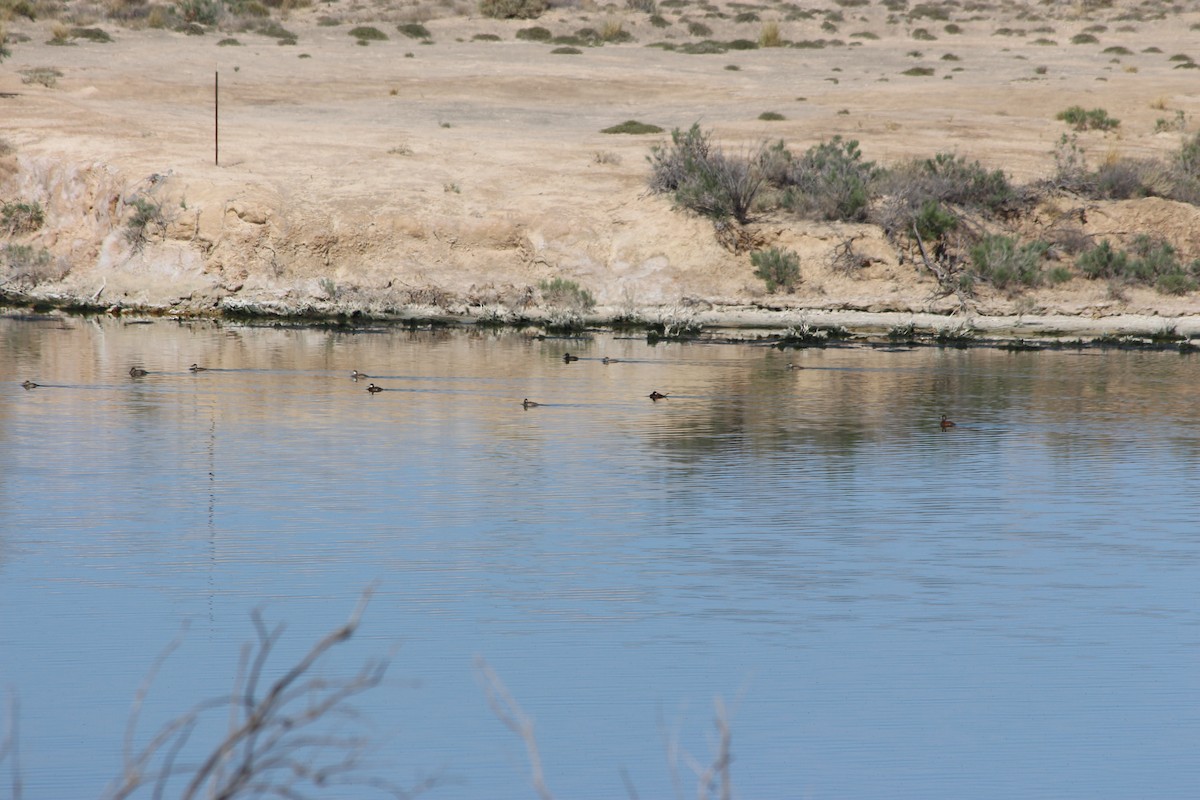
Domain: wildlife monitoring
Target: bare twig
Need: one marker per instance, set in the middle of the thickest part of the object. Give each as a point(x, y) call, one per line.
point(505, 706)
point(10, 747)
point(944, 278)
point(276, 742)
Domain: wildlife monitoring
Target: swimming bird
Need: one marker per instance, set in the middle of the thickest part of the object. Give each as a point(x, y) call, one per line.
point(197, 368)
point(527, 403)
point(945, 423)
point(373, 388)
point(568, 358)
point(355, 375)
point(607, 360)
point(137, 372)
point(30, 385)
point(656, 395)
point(794, 366)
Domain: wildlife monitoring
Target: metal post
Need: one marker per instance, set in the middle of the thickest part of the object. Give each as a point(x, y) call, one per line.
point(217, 119)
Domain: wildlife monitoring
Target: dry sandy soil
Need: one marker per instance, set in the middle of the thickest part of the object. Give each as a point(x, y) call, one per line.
point(454, 176)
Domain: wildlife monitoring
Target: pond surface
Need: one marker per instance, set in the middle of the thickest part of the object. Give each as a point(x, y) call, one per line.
point(1009, 608)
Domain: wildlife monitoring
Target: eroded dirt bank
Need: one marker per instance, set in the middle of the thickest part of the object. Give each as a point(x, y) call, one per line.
point(452, 179)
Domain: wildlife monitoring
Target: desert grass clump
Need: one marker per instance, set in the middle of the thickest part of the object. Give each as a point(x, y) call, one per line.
point(18, 219)
point(771, 116)
point(367, 33)
point(769, 35)
point(513, 9)
point(1084, 38)
point(918, 72)
point(702, 178)
point(43, 76)
point(633, 127)
point(778, 268)
point(1005, 264)
point(1097, 119)
point(414, 30)
point(613, 31)
point(535, 34)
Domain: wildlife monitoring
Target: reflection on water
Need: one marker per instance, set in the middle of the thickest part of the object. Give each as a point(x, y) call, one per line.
point(1009, 608)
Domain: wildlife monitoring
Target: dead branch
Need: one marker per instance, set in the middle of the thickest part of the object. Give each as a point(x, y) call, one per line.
point(277, 741)
point(509, 711)
point(9, 748)
point(718, 771)
point(944, 278)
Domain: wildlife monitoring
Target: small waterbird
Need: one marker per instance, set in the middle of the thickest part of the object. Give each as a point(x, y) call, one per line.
point(137, 372)
point(355, 375)
point(794, 366)
point(656, 395)
point(607, 360)
point(945, 423)
point(568, 358)
point(30, 385)
point(373, 388)
point(527, 403)
point(197, 368)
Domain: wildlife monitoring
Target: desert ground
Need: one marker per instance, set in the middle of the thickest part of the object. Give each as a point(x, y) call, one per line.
point(452, 175)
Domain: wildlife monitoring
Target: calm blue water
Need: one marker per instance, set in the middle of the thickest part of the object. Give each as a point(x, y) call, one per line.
point(1007, 609)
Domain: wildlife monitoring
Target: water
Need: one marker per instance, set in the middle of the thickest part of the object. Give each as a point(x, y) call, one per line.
point(1008, 608)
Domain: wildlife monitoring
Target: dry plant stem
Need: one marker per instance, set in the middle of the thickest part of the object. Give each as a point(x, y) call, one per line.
point(9, 747)
point(267, 717)
point(718, 770)
point(272, 745)
point(944, 278)
point(505, 706)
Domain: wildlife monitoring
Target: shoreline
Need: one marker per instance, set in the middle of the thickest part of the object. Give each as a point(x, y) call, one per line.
point(789, 328)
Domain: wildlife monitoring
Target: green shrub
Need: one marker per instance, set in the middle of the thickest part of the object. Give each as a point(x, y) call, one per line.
point(366, 33)
point(485, 37)
point(17, 219)
point(1178, 282)
point(780, 269)
point(414, 30)
point(918, 72)
point(102, 36)
point(699, 29)
point(535, 34)
point(1004, 263)
point(1102, 261)
point(1083, 120)
point(1084, 38)
point(702, 178)
point(568, 294)
point(771, 116)
point(926, 192)
point(932, 222)
point(203, 12)
point(512, 9)
point(274, 30)
point(147, 215)
point(633, 127)
point(831, 181)
point(566, 51)
point(31, 265)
